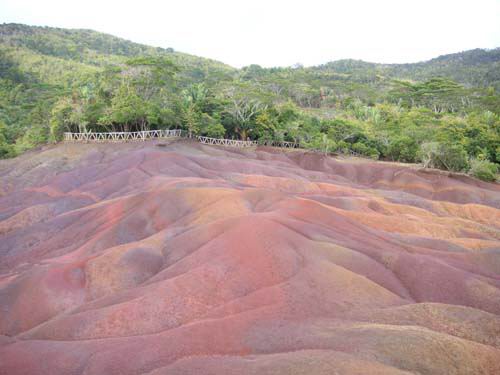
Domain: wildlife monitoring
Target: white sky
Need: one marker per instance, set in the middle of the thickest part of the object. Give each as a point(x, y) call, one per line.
point(280, 33)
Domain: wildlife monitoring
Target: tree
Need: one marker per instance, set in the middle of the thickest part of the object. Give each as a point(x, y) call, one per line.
point(438, 93)
point(429, 152)
point(444, 156)
point(190, 114)
point(197, 94)
point(266, 125)
point(128, 111)
point(215, 130)
point(243, 112)
point(403, 148)
point(61, 119)
point(150, 75)
point(343, 130)
point(197, 107)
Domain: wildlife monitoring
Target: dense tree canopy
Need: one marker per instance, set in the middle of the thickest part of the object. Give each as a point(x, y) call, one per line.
point(444, 113)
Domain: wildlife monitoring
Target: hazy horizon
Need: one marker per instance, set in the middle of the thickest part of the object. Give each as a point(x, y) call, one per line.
point(280, 33)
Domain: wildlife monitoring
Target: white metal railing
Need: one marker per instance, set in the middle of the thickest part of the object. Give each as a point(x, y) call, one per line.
point(281, 144)
point(226, 142)
point(122, 136)
point(171, 133)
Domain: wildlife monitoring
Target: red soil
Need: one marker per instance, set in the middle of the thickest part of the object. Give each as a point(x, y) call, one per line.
point(190, 259)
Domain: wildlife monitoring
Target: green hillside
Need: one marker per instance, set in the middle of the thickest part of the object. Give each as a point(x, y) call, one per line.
point(444, 112)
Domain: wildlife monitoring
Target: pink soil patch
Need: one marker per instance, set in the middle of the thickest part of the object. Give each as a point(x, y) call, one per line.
point(192, 259)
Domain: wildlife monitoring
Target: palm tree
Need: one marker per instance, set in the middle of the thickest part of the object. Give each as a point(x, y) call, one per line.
point(243, 112)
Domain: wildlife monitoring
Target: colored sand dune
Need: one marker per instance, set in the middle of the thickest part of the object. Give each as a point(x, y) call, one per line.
point(191, 259)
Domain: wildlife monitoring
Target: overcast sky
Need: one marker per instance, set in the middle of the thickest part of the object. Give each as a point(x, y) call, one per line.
point(280, 33)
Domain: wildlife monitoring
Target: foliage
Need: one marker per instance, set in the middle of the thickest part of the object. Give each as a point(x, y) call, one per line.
point(215, 130)
point(442, 112)
point(483, 169)
point(242, 113)
point(6, 149)
point(403, 148)
point(321, 142)
point(450, 157)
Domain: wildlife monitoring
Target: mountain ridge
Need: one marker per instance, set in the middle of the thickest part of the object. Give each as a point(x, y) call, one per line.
point(13, 28)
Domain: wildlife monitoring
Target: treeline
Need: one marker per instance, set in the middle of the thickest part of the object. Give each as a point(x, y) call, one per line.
point(50, 84)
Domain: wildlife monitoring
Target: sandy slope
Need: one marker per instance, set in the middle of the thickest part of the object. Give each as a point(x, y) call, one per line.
point(190, 259)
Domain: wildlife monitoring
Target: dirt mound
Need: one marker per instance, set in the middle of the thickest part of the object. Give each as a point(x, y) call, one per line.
point(182, 259)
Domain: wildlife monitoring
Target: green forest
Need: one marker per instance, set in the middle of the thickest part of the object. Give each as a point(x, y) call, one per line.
point(444, 113)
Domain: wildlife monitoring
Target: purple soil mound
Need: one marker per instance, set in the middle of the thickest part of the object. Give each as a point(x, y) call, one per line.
point(191, 259)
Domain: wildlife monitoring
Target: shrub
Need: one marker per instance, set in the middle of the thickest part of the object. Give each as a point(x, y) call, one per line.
point(6, 150)
point(483, 169)
point(445, 156)
point(342, 146)
point(34, 136)
point(454, 157)
point(215, 130)
point(365, 150)
point(403, 149)
point(321, 142)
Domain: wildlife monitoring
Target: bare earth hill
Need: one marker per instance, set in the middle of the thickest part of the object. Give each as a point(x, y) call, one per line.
point(190, 259)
